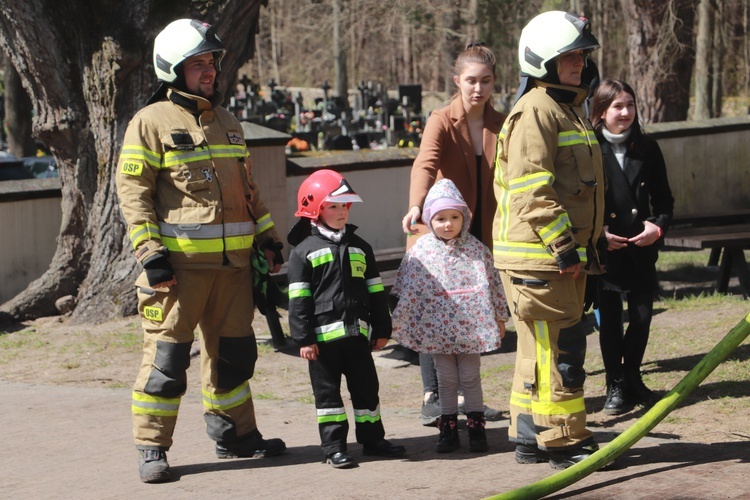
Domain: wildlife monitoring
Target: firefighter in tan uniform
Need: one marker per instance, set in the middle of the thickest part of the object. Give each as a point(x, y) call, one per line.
point(193, 213)
point(550, 191)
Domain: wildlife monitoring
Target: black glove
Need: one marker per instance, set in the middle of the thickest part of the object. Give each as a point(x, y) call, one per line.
point(275, 247)
point(158, 270)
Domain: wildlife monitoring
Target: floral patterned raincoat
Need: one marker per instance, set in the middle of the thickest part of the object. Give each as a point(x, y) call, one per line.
point(450, 294)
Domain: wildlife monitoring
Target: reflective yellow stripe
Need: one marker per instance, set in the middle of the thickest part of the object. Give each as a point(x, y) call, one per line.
point(208, 246)
point(141, 232)
point(336, 330)
point(555, 229)
point(327, 415)
point(145, 404)
point(207, 231)
point(264, 224)
point(177, 157)
point(503, 203)
point(574, 137)
point(559, 408)
point(531, 181)
point(227, 400)
point(320, 257)
point(356, 254)
point(520, 400)
point(375, 285)
point(544, 361)
point(516, 250)
point(362, 416)
point(133, 152)
point(299, 289)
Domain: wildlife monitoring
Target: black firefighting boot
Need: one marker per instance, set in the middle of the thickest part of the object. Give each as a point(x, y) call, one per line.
point(252, 445)
point(475, 422)
point(636, 390)
point(564, 458)
point(530, 454)
point(153, 466)
point(448, 440)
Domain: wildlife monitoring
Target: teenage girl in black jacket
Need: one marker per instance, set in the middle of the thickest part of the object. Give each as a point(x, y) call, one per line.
point(638, 209)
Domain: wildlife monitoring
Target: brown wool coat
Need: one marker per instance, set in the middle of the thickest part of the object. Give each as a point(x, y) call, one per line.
point(446, 151)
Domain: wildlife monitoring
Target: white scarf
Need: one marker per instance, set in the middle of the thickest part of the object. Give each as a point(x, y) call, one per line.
point(617, 141)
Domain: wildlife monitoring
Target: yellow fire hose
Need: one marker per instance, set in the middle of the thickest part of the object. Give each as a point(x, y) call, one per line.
point(641, 427)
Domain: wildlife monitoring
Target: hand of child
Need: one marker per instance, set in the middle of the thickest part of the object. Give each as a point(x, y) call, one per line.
point(378, 344)
point(615, 242)
point(501, 327)
point(651, 233)
point(309, 352)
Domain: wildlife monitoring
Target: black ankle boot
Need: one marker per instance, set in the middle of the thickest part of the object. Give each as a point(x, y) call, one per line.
point(448, 440)
point(636, 390)
point(616, 402)
point(475, 422)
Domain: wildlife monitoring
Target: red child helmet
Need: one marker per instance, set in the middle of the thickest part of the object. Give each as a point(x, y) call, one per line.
point(321, 186)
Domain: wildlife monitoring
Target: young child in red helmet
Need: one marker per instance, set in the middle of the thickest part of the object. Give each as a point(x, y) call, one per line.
point(338, 313)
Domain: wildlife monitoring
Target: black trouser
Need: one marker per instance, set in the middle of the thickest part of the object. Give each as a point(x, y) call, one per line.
point(350, 357)
point(622, 352)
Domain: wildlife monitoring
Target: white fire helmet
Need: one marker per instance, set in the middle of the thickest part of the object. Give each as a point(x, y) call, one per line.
point(180, 40)
point(550, 34)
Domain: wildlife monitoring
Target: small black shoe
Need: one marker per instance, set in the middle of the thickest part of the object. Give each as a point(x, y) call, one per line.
point(528, 454)
point(383, 448)
point(616, 402)
point(431, 410)
point(253, 446)
point(340, 460)
point(563, 459)
point(153, 466)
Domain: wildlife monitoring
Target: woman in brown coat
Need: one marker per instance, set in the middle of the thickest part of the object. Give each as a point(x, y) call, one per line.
point(458, 144)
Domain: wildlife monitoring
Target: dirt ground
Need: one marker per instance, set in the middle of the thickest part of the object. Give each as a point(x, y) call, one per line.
point(54, 369)
point(107, 356)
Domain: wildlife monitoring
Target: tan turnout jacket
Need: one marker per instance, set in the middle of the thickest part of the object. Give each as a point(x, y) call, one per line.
point(184, 184)
point(549, 183)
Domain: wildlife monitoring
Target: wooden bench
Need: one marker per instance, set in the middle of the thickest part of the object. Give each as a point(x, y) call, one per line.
point(727, 234)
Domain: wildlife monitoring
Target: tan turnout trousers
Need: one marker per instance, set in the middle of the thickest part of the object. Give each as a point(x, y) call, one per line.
point(546, 404)
point(221, 302)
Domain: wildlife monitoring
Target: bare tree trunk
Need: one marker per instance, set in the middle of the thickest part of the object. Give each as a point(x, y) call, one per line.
point(339, 52)
point(660, 56)
point(703, 57)
point(17, 113)
point(85, 86)
point(746, 47)
point(472, 28)
point(275, 44)
point(717, 60)
point(451, 42)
